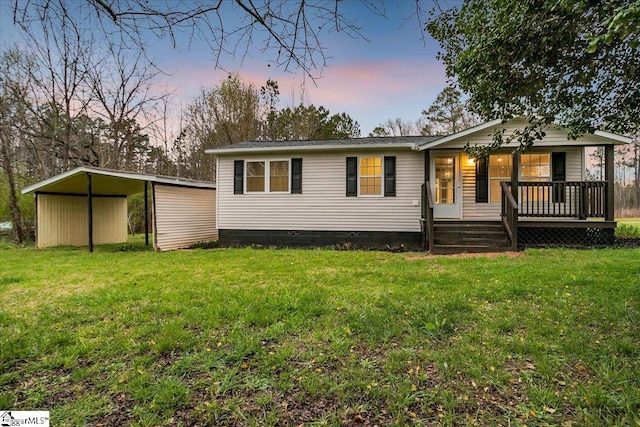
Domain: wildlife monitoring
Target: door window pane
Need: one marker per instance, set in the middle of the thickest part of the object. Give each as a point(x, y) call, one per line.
point(445, 184)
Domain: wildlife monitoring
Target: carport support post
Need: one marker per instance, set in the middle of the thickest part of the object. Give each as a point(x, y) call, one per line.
point(90, 210)
point(146, 213)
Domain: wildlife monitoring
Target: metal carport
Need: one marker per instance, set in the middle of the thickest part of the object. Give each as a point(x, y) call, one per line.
point(87, 206)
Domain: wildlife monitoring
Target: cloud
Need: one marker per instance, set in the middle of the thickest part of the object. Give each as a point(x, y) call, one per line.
point(370, 91)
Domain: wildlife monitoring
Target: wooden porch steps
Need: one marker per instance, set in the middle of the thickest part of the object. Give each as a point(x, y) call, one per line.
point(451, 237)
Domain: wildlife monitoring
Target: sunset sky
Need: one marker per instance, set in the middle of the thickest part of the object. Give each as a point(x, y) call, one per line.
point(393, 74)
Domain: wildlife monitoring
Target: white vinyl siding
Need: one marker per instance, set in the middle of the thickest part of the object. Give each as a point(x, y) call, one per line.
point(323, 204)
point(184, 216)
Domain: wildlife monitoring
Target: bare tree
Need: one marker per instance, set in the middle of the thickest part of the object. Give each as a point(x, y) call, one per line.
point(291, 30)
point(13, 118)
point(226, 114)
point(164, 130)
point(60, 49)
point(395, 127)
point(121, 94)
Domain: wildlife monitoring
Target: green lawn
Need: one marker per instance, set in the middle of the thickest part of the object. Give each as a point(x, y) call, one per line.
point(635, 222)
point(315, 337)
point(628, 227)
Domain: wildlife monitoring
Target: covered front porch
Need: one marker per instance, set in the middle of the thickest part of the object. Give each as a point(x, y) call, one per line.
point(559, 212)
point(539, 197)
point(556, 212)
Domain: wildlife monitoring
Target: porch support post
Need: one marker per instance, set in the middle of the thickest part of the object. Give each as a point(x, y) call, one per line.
point(426, 220)
point(609, 177)
point(146, 214)
point(514, 175)
point(90, 210)
point(427, 164)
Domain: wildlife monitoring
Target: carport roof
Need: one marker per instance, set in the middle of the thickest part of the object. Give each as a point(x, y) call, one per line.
point(107, 182)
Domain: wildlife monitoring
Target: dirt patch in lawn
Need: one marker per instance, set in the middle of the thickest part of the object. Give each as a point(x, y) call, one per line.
point(421, 256)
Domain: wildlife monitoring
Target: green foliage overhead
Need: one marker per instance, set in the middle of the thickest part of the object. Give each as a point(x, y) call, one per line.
point(308, 122)
point(573, 62)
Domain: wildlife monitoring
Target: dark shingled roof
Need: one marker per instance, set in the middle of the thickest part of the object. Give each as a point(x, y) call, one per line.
point(347, 143)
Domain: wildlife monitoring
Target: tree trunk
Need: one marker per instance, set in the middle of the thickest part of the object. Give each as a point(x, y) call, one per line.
point(636, 171)
point(16, 215)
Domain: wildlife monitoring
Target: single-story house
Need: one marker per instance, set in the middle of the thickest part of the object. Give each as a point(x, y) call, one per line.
point(415, 192)
point(88, 205)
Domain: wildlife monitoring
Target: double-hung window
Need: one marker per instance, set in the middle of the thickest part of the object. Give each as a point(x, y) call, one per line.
point(535, 168)
point(499, 170)
point(279, 176)
point(371, 176)
point(255, 177)
point(267, 176)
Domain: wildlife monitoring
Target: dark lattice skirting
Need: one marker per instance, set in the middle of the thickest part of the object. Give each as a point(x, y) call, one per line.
point(584, 235)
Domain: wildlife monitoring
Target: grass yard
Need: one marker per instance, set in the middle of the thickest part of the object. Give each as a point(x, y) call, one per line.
point(316, 337)
point(634, 222)
point(628, 227)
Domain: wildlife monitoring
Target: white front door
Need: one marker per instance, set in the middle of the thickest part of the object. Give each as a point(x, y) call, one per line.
point(446, 185)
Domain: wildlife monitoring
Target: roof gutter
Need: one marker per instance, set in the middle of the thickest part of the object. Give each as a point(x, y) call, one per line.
point(336, 147)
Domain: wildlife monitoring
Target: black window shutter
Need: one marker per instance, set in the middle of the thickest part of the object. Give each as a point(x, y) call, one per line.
point(296, 176)
point(558, 173)
point(390, 175)
point(238, 176)
point(352, 176)
point(559, 166)
point(482, 181)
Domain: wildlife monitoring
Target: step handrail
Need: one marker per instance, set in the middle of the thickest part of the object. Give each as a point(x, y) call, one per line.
point(509, 214)
point(427, 215)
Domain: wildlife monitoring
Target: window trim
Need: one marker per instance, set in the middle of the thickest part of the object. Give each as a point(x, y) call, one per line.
point(267, 175)
point(246, 171)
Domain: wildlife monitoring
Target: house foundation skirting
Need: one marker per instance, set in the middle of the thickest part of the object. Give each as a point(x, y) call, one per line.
point(301, 238)
point(576, 233)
